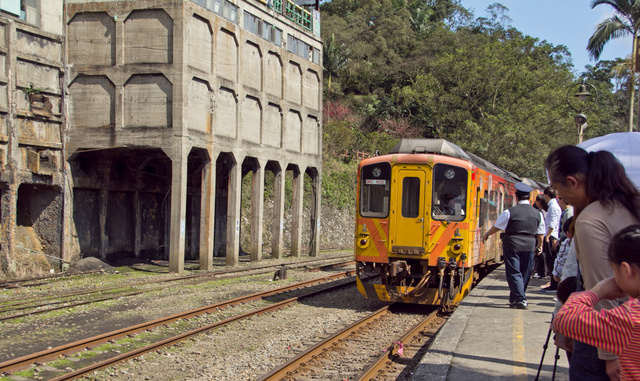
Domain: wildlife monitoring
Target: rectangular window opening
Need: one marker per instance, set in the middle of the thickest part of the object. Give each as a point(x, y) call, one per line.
point(411, 197)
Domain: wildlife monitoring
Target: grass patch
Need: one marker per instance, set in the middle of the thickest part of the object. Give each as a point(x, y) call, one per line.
point(60, 363)
point(106, 347)
point(86, 355)
point(28, 373)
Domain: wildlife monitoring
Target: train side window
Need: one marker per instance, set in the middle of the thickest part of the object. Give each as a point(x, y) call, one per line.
point(509, 201)
point(493, 206)
point(375, 185)
point(410, 197)
point(484, 208)
point(449, 193)
point(478, 203)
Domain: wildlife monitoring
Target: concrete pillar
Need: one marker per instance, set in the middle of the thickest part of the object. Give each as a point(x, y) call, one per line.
point(296, 213)
point(257, 212)
point(8, 204)
point(233, 213)
point(316, 196)
point(104, 207)
point(278, 215)
point(177, 230)
point(207, 214)
point(9, 172)
point(119, 101)
point(138, 222)
point(70, 246)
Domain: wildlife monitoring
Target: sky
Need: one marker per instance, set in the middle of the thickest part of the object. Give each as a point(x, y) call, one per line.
point(559, 22)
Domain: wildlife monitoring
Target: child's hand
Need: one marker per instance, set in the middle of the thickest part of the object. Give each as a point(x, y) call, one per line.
point(608, 289)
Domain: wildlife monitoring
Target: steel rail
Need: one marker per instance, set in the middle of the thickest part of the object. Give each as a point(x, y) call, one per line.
point(21, 304)
point(76, 304)
point(289, 368)
point(66, 349)
point(185, 335)
point(22, 300)
point(332, 266)
point(373, 371)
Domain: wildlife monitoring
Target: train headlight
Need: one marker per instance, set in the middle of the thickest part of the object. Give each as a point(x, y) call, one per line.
point(363, 242)
point(376, 172)
point(457, 248)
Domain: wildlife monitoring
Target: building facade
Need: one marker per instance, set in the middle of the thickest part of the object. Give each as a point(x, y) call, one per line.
point(163, 108)
point(31, 134)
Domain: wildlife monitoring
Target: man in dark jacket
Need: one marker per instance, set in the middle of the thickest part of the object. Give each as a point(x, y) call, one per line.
point(523, 227)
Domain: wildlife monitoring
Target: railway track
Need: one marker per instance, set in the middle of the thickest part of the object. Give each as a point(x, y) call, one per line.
point(39, 305)
point(43, 281)
point(356, 352)
point(111, 337)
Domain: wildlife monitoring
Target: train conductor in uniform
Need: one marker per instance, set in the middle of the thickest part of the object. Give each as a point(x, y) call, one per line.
point(523, 227)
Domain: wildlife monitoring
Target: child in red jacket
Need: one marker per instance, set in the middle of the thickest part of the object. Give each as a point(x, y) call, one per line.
point(616, 330)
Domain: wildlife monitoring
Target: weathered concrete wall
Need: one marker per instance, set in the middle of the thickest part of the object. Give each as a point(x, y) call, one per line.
point(148, 101)
point(195, 85)
point(31, 142)
point(51, 17)
point(97, 29)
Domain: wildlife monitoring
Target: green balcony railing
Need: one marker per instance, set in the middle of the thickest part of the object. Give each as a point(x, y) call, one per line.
point(277, 5)
point(298, 15)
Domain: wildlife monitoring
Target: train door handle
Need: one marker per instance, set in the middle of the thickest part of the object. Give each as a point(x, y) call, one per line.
point(420, 220)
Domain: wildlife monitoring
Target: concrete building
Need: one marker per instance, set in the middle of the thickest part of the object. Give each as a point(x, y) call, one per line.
point(161, 108)
point(31, 134)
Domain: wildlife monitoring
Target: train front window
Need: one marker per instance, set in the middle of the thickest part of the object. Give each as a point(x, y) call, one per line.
point(375, 185)
point(449, 193)
point(410, 197)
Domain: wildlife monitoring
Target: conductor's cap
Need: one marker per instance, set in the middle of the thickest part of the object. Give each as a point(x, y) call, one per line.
point(523, 188)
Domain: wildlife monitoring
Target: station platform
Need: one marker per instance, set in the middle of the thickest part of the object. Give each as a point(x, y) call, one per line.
point(484, 339)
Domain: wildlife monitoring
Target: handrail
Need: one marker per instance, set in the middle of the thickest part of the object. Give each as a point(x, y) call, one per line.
point(297, 14)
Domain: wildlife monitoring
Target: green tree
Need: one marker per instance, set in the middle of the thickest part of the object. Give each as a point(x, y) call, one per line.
point(425, 68)
point(625, 21)
point(610, 112)
point(335, 57)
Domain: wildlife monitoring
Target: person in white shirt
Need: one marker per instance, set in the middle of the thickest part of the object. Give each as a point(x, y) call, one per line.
point(523, 228)
point(551, 220)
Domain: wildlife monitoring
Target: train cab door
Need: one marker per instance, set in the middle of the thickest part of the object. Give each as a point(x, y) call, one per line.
point(409, 221)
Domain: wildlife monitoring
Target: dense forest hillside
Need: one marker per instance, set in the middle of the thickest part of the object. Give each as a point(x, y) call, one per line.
point(430, 68)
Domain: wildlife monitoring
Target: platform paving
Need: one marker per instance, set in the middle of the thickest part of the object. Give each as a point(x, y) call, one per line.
point(484, 339)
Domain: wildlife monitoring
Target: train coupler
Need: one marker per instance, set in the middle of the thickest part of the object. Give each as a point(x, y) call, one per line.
point(398, 267)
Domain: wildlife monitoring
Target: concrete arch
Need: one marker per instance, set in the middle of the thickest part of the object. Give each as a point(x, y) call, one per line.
point(227, 207)
point(120, 208)
point(315, 195)
point(296, 209)
point(254, 198)
point(276, 174)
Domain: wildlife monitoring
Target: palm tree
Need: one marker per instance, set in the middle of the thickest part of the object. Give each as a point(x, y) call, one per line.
point(625, 21)
point(335, 57)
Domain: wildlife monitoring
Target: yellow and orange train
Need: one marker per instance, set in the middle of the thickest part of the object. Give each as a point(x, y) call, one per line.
point(421, 213)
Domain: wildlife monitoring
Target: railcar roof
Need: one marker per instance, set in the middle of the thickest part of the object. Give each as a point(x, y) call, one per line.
point(439, 146)
point(445, 147)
